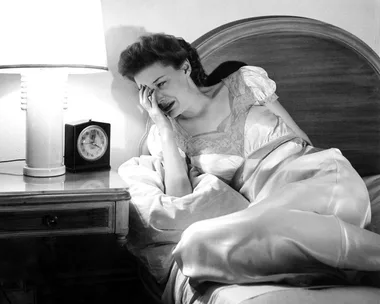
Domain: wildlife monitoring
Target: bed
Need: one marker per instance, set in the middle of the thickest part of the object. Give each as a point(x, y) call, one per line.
point(329, 81)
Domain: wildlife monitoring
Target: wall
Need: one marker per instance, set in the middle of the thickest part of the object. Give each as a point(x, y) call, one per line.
point(108, 97)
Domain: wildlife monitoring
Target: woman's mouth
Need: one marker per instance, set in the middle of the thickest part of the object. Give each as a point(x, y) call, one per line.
point(166, 107)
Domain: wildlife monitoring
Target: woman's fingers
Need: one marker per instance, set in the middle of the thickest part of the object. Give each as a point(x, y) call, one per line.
point(141, 91)
point(153, 100)
point(141, 98)
point(148, 101)
point(143, 95)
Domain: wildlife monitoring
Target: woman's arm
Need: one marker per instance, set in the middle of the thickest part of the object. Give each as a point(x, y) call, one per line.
point(276, 108)
point(177, 182)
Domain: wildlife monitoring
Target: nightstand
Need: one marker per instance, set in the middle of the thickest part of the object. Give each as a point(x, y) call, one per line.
point(80, 203)
point(62, 238)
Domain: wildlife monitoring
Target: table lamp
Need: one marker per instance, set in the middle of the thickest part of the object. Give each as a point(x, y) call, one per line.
point(45, 41)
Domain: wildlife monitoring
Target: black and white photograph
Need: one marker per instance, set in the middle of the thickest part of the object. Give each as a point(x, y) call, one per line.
point(190, 152)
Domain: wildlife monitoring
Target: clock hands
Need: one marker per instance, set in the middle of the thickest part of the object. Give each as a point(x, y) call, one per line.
point(92, 140)
point(96, 145)
point(91, 143)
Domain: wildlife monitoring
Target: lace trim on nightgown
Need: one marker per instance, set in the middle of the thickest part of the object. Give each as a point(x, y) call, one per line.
point(231, 129)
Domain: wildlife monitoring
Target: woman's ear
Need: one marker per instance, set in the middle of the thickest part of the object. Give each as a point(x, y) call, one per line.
point(186, 67)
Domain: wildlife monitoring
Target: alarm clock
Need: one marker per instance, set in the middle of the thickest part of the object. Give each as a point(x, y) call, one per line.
point(87, 146)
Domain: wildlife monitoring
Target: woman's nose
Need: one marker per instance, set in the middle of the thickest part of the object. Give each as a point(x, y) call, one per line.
point(160, 97)
point(158, 94)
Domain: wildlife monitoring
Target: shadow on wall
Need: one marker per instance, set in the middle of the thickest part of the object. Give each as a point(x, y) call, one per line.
point(9, 84)
point(124, 91)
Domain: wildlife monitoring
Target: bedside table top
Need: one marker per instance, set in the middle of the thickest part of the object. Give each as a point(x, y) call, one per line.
point(97, 183)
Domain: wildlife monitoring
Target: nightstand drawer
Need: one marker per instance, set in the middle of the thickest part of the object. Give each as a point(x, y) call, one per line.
point(56, 219)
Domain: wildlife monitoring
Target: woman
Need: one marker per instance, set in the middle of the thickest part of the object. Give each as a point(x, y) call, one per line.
point(308, 207)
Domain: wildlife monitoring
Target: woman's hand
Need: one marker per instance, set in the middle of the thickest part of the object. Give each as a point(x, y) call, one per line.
point(177, 182)
point(149, 103)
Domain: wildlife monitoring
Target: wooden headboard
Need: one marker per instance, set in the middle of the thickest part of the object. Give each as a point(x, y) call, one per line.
point(327, 79)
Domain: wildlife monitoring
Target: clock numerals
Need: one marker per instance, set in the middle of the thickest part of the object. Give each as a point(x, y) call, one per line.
point(92, 143)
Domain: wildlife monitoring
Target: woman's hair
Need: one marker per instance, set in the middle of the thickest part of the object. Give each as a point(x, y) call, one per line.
point(223, 70)
point(165, 49)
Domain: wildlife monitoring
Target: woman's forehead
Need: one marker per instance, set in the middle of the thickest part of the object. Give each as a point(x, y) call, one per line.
point(150, 74)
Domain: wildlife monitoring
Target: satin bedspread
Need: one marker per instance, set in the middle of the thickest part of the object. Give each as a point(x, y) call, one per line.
point(216, 235)
point(157, 220)
point(266, 206)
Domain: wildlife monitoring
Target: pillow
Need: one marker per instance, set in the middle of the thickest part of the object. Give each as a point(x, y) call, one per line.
point(373, 186)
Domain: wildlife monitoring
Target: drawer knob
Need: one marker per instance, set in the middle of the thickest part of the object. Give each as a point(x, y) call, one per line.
point(50, 220)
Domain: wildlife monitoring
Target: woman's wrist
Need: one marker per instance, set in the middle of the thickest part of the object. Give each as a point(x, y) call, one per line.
point(166, 134)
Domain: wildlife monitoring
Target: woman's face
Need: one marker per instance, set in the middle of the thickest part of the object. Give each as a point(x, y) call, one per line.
point(171, 87)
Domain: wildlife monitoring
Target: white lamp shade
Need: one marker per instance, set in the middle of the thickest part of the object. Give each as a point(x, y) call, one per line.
point(44, 40)
point(52, 33)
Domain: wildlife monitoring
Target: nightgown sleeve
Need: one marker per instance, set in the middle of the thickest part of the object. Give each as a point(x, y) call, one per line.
point(255, 80)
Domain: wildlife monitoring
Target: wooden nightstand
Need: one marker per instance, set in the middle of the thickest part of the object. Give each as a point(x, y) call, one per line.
point(81, 203)
point(61, 238)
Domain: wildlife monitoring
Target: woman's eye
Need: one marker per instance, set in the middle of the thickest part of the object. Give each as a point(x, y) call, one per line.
point(159, 85)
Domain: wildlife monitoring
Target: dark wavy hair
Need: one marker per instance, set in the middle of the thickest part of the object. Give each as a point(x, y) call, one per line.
point(223, 70)
point(165, 49)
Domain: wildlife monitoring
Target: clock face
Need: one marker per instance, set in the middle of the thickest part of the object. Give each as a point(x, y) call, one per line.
point(92, 143)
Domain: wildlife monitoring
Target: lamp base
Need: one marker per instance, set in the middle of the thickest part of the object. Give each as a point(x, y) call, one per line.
point(44, 172)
